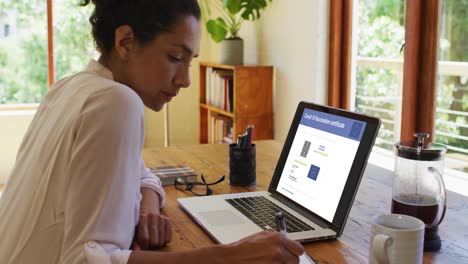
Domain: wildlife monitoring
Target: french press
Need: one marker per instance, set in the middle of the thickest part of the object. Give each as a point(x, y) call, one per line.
point(418, 186)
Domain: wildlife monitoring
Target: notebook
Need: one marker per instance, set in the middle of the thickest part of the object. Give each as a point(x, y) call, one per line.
point(169, 173)
point(314, 183)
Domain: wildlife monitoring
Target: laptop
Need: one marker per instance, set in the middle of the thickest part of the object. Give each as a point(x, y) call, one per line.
point(314, 184)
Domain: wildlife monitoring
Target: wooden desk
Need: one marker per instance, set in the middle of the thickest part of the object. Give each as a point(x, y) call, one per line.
point(374, 197)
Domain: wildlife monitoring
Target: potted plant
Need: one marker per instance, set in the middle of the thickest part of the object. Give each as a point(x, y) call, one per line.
point(225, 28)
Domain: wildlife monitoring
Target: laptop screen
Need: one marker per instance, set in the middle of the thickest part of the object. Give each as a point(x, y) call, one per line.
point(320, 160)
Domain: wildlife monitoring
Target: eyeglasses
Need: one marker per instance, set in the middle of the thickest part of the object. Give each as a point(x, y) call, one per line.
point(198, 188)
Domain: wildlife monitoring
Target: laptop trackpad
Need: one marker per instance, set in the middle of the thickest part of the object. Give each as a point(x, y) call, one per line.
point(221, 217)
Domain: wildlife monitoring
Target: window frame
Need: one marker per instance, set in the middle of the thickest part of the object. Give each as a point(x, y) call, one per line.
point(420, 68)
point(339, 53)
point(50, 44)
point(50, 62)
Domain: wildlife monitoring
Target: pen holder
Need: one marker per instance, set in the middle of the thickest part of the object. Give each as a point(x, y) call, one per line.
point(242, 169)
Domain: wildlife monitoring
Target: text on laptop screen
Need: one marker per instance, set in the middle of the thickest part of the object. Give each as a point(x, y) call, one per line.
point(320, 160)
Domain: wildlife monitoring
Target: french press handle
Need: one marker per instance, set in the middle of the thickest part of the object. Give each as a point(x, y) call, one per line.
point(442, 201)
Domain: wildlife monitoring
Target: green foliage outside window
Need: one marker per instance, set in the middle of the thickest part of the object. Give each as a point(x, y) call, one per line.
point(381, 35)
point(452, 91)
point(23, 54)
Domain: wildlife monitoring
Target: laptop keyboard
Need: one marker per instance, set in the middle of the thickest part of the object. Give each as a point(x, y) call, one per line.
point(262, 212)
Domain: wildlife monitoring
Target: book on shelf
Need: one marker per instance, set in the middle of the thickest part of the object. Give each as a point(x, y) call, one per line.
point(219, 86)
point(221, 128)
point(227, 140)
point(169, 173)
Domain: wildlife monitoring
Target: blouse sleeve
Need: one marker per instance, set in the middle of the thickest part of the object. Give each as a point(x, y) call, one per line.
point(151, 181)
point(102, 198)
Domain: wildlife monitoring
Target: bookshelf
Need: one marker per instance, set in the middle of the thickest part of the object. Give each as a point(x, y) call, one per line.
point(231, 98)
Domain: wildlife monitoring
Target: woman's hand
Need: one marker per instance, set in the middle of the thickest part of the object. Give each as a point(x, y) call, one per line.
point(153, 230)
point(265, 247)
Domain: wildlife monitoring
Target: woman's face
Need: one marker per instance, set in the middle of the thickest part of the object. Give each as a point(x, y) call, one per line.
point(157, 70)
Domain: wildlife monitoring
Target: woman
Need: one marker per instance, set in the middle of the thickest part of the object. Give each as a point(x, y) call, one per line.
point(79, 192)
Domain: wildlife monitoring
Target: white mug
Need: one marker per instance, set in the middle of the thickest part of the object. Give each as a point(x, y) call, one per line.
point(395, 239)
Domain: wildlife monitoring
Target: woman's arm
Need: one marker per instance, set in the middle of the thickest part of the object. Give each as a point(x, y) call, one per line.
point(153, 230)
point(149, 180)
point(102, 196)
point(202, 255)
point(149, 201)
point(264, 247)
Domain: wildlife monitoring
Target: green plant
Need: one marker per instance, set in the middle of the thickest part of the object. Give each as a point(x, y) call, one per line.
point(233, 13)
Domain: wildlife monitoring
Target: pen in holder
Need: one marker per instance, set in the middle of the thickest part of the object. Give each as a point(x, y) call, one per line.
point(242, 168)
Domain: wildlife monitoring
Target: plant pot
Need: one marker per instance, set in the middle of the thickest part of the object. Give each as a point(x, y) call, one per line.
point(232, 51)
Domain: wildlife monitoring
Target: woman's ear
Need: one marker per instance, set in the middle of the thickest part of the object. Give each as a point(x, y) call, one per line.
point(124, 41)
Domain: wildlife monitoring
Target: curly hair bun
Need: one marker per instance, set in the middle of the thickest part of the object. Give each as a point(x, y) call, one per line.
point(147, 18)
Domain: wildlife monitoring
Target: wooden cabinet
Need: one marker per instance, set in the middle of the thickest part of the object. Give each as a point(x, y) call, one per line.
point(233, 97)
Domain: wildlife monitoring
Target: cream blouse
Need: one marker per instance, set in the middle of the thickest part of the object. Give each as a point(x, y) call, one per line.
point(73, 195)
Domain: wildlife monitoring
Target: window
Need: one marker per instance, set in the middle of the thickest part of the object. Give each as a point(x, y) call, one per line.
point(451, 126)
point(378, 76)
point(23, 57)
point(24, 46)
point(410, 70)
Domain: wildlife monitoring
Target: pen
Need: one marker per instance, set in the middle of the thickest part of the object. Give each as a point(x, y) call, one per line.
point(280, 223)
point(251, 135)
point(244, 140)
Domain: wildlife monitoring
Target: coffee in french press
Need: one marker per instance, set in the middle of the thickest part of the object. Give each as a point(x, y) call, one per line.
point(418, 186)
